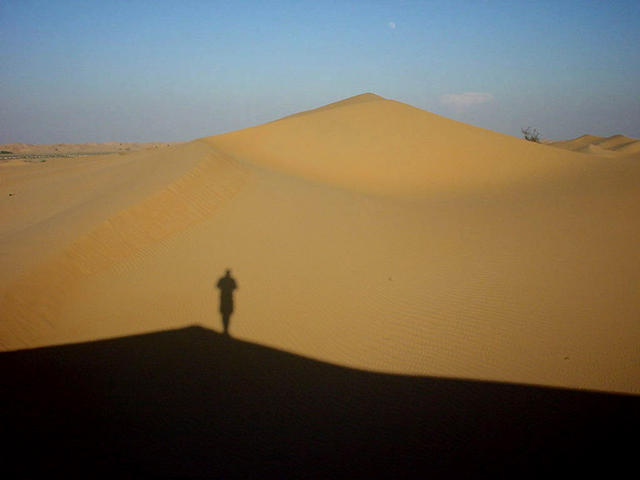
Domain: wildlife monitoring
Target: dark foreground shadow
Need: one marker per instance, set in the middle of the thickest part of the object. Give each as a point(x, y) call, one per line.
point(192, 403)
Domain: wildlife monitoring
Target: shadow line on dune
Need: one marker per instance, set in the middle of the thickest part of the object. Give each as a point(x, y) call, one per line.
point(195, 403)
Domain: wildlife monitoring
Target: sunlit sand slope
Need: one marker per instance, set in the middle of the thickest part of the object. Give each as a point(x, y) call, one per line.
point(371, 144)
point(92, 217)
point(367, 233)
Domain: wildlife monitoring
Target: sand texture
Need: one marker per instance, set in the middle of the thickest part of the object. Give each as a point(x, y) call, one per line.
point(366, 234)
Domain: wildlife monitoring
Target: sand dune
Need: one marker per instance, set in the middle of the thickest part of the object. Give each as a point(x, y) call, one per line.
point(367, 233)
point(615, 145)
point(380, 146)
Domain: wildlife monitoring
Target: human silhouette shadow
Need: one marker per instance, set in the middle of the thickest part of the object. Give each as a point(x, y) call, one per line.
point(226, 285)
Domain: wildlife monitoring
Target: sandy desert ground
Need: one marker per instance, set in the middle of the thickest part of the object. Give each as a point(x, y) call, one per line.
point(366, 234)
point(418, 298)
point(25, 149)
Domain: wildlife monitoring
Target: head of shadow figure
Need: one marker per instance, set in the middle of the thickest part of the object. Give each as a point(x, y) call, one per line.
point(227, 285)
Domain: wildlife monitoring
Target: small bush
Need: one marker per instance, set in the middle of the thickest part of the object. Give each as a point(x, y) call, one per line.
point(5, 151)
point(531, 134)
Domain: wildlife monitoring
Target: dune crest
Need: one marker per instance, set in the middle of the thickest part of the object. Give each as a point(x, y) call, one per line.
point(367, 233)
point(356, 99)
point(375, 145)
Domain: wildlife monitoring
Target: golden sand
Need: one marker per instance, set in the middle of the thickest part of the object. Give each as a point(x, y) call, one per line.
point(367, 233)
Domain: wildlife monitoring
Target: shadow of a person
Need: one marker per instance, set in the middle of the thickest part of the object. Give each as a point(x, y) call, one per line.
point(227, 285)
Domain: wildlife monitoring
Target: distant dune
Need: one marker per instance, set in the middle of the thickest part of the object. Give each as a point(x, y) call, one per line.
point(366, 233)
point(616, 145)
point(80, 148)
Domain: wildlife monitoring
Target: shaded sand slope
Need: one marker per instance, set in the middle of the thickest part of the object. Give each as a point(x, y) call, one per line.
point(190, 403)
point(368, 234)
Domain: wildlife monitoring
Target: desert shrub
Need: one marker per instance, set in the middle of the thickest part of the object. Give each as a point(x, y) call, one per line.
point(531, 134)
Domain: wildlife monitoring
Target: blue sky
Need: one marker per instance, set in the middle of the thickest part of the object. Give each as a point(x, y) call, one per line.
point(81, 71)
